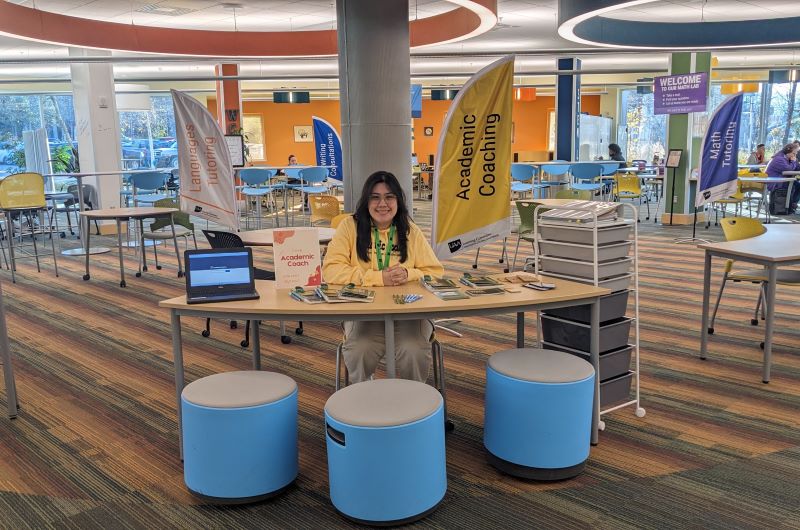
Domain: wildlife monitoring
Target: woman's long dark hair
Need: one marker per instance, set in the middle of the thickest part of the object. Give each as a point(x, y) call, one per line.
point(363, 220)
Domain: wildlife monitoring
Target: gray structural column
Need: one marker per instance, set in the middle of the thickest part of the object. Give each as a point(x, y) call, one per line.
point(374, 92)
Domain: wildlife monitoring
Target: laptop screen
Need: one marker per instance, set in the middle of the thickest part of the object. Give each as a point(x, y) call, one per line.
point(210, 269)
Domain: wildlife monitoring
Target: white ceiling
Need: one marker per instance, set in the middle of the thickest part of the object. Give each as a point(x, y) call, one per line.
point(524, 26)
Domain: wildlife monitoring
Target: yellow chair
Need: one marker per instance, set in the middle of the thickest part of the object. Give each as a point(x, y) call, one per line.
point(23, 194)
point(630, 187)
point(751, 188)
point(338, 219)
point(578, 195)
point(736, 228)
point(736, 199)
point(323, 208)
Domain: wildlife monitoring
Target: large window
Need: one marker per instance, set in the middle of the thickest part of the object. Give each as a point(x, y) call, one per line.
point(641, 134)
point(53, 112)
point(254, 136)
point(148, 136)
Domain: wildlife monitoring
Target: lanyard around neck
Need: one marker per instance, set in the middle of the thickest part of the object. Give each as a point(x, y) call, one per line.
point(383, 261)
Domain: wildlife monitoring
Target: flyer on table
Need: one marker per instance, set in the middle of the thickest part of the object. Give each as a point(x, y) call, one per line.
point(297, 257)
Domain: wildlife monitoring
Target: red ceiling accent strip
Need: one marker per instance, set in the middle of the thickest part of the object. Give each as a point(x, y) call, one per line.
point(29, 23)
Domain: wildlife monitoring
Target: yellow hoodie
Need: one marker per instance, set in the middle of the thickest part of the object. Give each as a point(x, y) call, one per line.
point(342, 265)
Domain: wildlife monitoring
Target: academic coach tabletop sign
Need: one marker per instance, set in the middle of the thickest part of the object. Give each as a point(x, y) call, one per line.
point(680, 94)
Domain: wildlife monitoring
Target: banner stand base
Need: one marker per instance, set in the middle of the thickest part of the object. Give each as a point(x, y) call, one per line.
point(681, 240)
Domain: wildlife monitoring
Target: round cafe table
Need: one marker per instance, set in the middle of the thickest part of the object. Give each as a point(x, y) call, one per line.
point(123, 214)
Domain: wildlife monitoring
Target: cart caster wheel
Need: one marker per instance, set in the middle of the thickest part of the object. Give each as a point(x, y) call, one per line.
point(123, 284)
point(180, 274)
point(159, 267)
point(449, 426)
point(245, 343)
point(234, 324)
point(601, 425)
point(298, 331)
point(761, 345)
point(286, 339)
point(205, 333)
point(753, 321)
point(86, 277)
point(710, 331)
point(640, 412)
point(138, 274)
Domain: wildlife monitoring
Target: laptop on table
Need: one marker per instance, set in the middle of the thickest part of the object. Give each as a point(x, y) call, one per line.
point(219, 275)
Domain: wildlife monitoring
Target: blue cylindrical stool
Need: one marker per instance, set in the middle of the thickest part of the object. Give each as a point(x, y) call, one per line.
point(538, 413)
point(239, 435)
point(386, 461)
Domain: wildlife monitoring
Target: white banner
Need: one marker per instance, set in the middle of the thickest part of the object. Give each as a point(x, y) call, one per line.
point(207, 185)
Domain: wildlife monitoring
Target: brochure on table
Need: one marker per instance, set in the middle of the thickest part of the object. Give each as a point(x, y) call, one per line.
point(297, 258)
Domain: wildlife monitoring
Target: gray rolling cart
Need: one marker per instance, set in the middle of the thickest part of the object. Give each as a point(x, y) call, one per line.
point(573, 243)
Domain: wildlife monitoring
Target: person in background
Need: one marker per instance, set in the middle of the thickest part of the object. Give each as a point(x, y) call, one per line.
point(656, 161)
point(380, 246)
point(757, 156)
point(292, 161)
point(615, 153)
point(785, 160)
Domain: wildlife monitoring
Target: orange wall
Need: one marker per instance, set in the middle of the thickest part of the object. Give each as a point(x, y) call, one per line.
point(279, 119)
point(530, 123)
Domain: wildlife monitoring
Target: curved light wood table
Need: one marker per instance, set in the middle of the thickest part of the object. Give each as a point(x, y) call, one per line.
point(120, 214)
point(778, 246)
point(277, 304)
point(265, 237)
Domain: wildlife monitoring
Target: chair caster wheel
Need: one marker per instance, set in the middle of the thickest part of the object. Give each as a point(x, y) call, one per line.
point(601, 425)
point(298, 331)
point(505, 270)
point(500, 260)
point(245, 343)
point(761, 345)
point(234, 324)
point(710, 331)
point(205, 333)
point(640, 412)
point(138, 274)
point(286, 339)
point(86, 277)
point(123, 284)
point(449, 426)
point(62, 235)
point(753, 321)
point(180, 274)
point(159, 267)
point(474, 266)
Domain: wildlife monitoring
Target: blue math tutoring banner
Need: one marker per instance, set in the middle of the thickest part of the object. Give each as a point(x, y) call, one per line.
point(719, 164)
point(328, 147)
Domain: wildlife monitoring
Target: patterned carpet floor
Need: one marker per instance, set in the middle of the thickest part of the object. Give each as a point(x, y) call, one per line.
point(95, 444)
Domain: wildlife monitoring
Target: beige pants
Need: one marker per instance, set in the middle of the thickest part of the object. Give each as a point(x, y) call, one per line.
point(364, 346)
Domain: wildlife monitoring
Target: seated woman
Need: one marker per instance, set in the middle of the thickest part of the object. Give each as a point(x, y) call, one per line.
point(292, 161)
point(615, 153)
point(785, 160)
point(380, 246)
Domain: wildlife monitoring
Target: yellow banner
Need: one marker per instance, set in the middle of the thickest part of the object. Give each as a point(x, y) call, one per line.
point(472, 177)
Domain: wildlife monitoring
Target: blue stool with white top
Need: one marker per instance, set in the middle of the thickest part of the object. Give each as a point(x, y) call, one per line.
point(239, 435)
point(538, 413)
point(386, 456)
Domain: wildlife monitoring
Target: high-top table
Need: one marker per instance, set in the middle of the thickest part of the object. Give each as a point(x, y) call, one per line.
point(778, 246)
point(81, 206)
point(277, 304)
point(120, 214)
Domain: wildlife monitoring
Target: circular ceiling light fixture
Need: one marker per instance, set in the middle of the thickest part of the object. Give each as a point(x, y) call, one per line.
point(593, 22)
point(467, 19)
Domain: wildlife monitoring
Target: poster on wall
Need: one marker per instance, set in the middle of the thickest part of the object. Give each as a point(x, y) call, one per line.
point(680, 94)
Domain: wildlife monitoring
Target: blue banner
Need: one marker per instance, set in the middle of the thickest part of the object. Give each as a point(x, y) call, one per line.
point(416, 101)
point(328, 147)
point(719, 164)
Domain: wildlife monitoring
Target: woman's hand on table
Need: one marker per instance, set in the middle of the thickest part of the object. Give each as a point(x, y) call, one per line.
point(395, 275)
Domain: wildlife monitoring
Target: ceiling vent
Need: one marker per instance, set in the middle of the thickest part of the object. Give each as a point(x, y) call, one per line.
point(169, 11)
